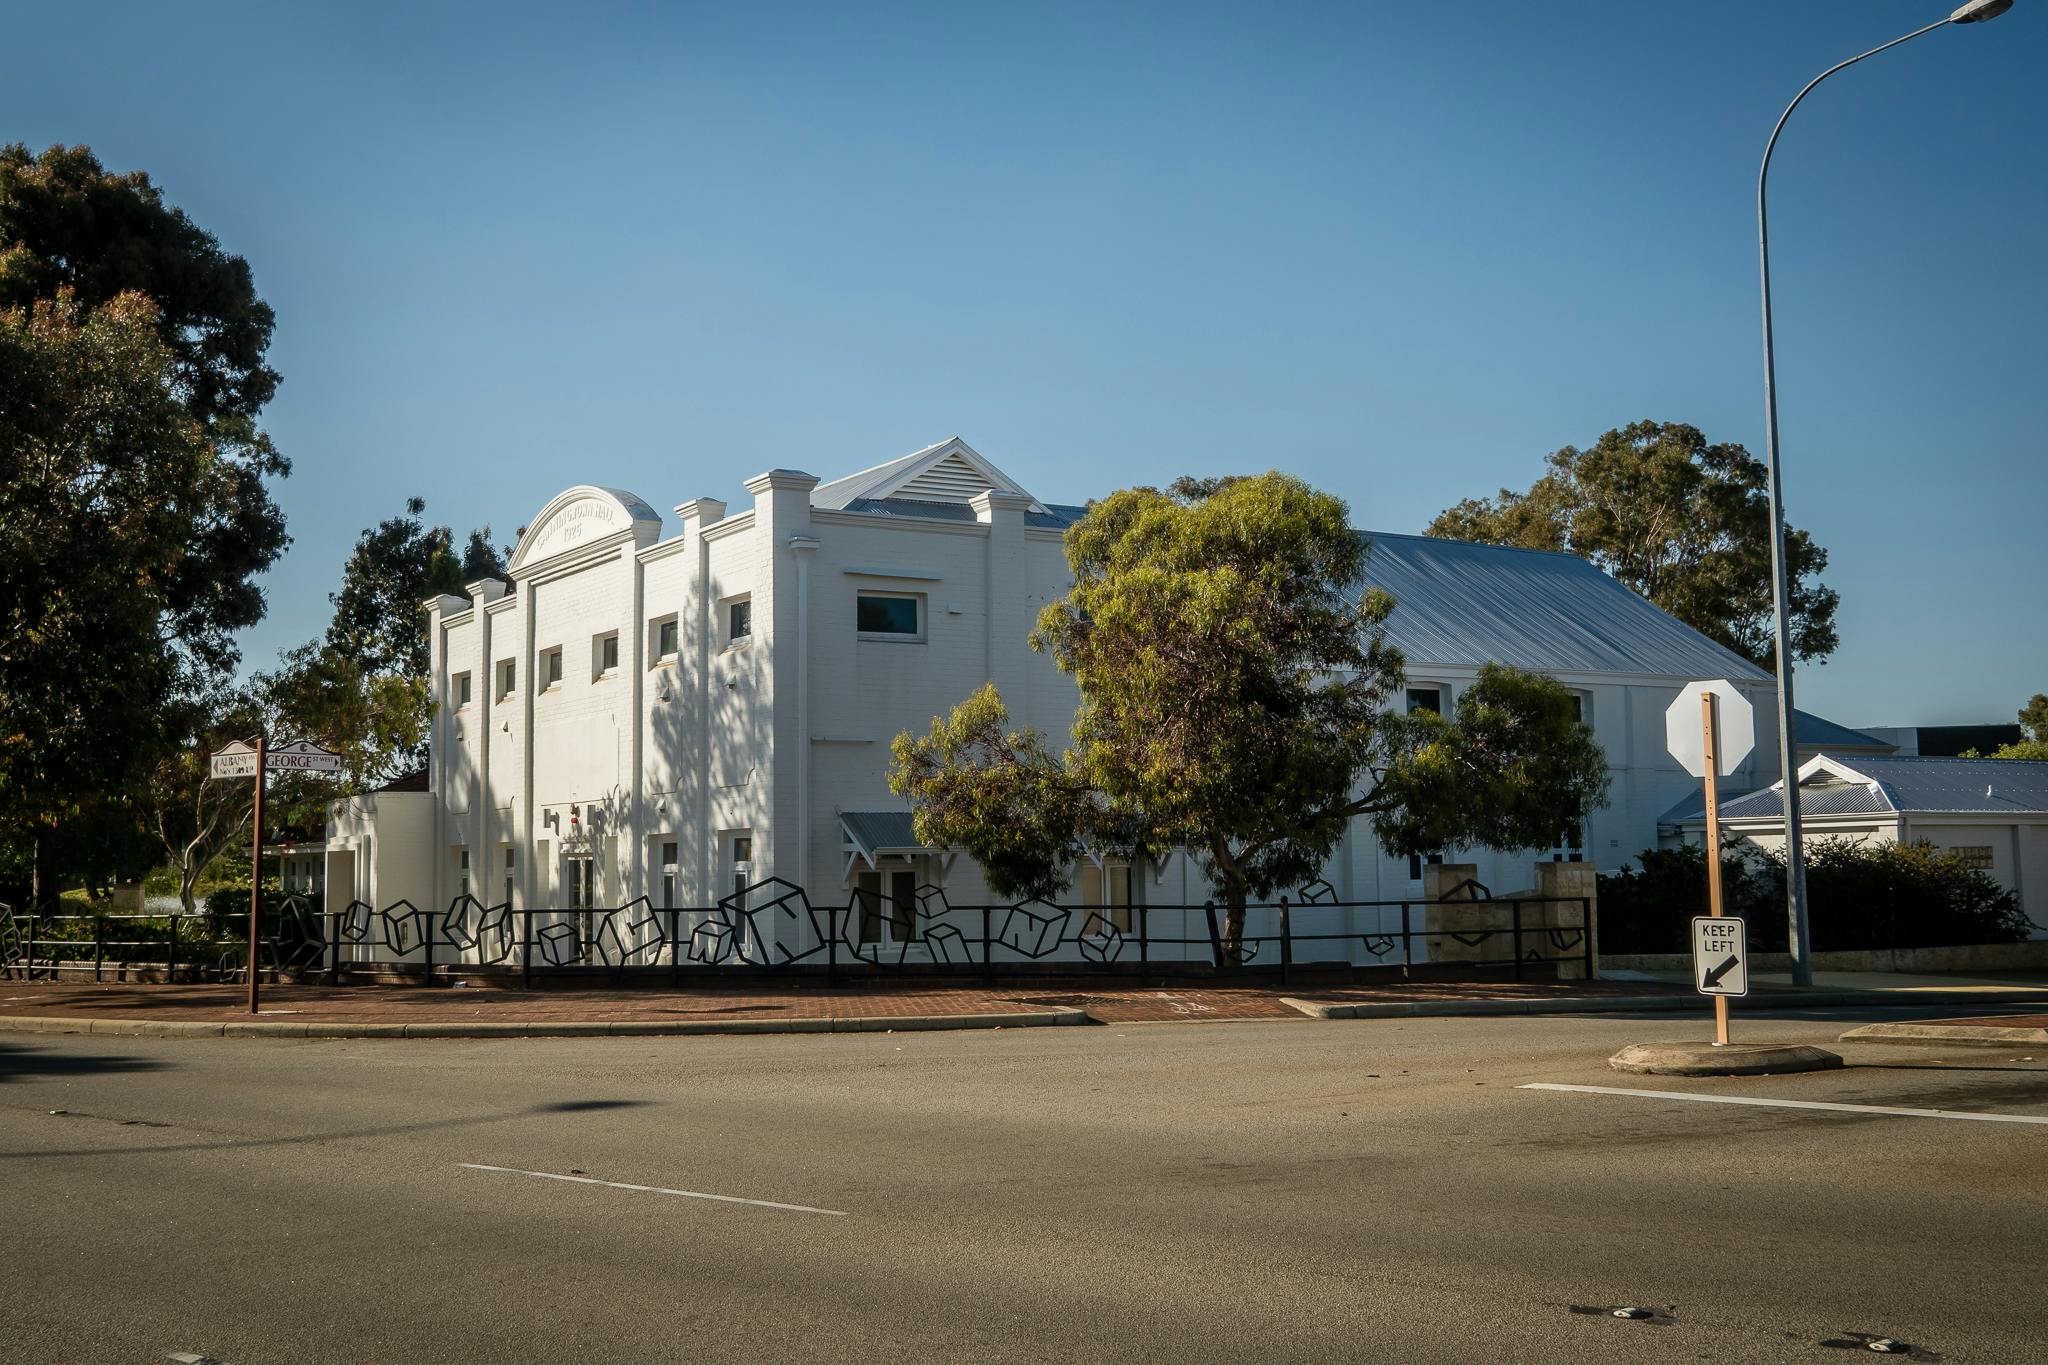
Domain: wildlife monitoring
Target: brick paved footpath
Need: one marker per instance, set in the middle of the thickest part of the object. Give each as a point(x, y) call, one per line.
point(739, 1000)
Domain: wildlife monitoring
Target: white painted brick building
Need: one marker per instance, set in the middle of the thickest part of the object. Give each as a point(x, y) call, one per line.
point(671, 717)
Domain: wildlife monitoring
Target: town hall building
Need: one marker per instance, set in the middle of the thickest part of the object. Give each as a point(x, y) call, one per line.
point(679, 712)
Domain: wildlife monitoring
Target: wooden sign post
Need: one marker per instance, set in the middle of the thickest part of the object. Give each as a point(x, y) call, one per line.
point(1710, 732)
point(243, 760)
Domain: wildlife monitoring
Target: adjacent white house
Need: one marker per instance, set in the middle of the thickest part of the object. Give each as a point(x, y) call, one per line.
point(1992, 812)
point(678, 711)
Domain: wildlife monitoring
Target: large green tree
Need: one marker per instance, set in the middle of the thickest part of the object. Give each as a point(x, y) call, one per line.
point(135, 513)
point(67, 223)
point(1681, 520)
point(104, 481)
point(1236, 700)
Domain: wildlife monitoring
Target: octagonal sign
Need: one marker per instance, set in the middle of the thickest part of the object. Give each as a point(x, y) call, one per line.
point(1682, 730)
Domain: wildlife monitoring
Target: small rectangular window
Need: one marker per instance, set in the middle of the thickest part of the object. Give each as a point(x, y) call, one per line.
point(888, 614)
point(604, 654)
point(666, 637)
point(739, 620)
point(551, 668)
point(461, 689)
point(1425, 699)
point(1415, 862)
point(511, 866)
point(508, 677)
point(668, 875)
point(1974, 855)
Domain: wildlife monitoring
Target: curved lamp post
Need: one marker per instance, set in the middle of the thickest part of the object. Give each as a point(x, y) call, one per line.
point(1800, 937)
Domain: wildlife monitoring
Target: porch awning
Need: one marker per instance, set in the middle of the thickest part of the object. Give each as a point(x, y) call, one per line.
point(879, 832)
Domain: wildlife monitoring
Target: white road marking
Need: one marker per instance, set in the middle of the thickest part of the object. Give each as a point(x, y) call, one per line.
point(652, 1189)
point(1789, 1104)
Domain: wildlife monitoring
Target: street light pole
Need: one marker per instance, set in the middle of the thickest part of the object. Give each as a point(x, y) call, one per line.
point(1799, 938)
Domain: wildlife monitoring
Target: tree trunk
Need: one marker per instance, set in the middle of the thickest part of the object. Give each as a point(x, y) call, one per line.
point(1233, 923)
point(44, 892)
point(188, 876)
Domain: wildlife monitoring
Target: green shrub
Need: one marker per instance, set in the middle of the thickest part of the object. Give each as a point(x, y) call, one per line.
point(1858, 895)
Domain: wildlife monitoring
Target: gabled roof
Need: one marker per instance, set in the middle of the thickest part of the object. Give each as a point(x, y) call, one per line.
point(950, 472)
point(1456, 602)
point(1892, 784)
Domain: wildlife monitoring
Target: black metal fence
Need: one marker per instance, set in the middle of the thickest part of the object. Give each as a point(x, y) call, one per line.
point(774, 926)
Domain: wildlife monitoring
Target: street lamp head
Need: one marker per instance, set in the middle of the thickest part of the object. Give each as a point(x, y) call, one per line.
point(1977, 11)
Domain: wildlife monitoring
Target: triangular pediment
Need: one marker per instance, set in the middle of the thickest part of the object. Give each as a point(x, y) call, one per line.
point(951, 471)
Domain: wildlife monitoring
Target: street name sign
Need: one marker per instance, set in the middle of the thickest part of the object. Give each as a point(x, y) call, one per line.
point(1737, 726)
point(1720, 956)
point(301, 756)
point(237, 760)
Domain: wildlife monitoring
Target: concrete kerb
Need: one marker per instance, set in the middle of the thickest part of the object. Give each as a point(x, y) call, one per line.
point(1972, 1035)
point(1622, 1004)
point(586, 1028)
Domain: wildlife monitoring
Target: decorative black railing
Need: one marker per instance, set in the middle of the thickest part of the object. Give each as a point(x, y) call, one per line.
point(774, 925)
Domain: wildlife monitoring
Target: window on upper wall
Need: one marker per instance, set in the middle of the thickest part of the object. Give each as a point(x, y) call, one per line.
point(739, 620)
point(1416, 861)
point(459, 689)
point(604, 654)
point(1425, 699)
point(666, 638)
point(889, 616)
point(1974, 855)
point(551, 668)
point(508, 677)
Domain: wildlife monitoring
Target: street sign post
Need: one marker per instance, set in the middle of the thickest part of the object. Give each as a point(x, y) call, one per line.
point(1720, 957)
point(258, 760)
point(1725, 735)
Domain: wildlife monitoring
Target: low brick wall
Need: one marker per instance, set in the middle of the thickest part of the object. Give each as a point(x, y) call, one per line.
point(1970, 957)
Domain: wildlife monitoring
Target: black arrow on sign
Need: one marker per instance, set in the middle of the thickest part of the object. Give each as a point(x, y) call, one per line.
point(1714, 974)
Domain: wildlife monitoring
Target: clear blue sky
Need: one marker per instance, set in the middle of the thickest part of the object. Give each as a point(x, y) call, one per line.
point(1401, 250)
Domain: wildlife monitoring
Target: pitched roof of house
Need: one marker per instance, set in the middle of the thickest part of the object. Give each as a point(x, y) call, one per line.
point(1892, 784)
point(950, 472)
point(1461, 603)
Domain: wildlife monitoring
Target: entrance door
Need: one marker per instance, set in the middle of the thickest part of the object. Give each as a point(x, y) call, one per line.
point(579, 879)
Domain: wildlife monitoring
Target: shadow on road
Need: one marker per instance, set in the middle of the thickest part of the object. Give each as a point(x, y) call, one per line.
point(557, 1107)
point(19, 1062)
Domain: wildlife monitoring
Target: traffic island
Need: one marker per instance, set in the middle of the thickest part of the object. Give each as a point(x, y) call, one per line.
point(1727, 1059)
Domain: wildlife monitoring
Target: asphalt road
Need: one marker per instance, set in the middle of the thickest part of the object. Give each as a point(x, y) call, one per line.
point(1356, 1190)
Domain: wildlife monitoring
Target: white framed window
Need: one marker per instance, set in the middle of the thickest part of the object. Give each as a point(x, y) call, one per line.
point(1427, 697)
point(888, 905)
point(508, 677)
point(889, 616)
point(462, 872)
point(1106, 891)
point(550, 668)
point(458, 689)
point(511, 873)
point(664, 638)
point(604, 654)
point(1978, 856)
point(667, 882)
point(738, 617)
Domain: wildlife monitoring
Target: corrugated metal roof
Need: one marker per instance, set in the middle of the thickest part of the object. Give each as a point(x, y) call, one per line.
point(1818, 732)
point(1896, 783)
point(1974, 785)
point(877, 831)
point(1461, 603)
